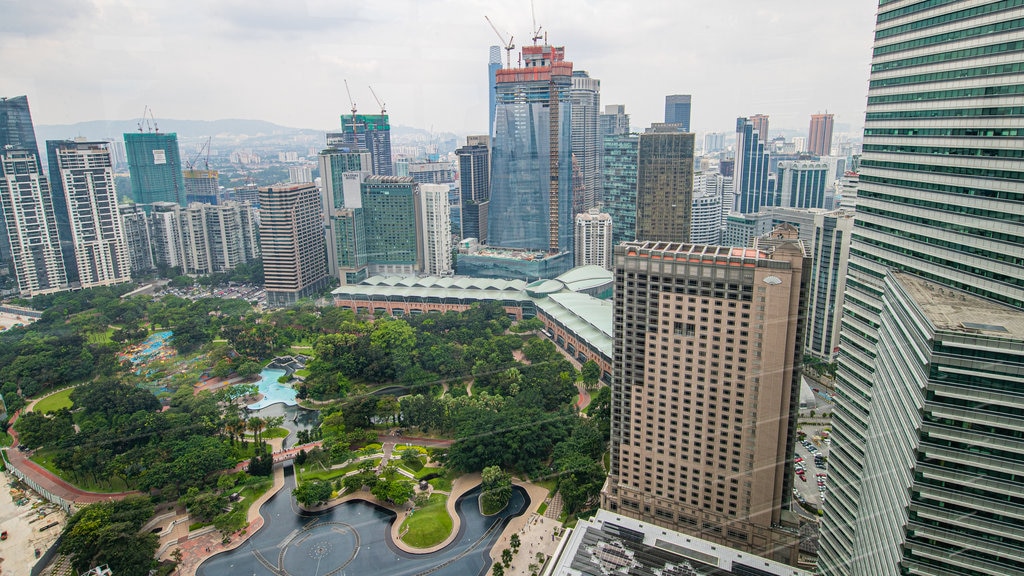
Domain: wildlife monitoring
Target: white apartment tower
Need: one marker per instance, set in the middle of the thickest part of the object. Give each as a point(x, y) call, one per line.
point(436, 226)
point(594, 239)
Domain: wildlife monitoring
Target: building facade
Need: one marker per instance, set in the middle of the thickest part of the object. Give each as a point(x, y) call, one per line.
point(474, 186)
point(154, 164)
point(435, 225)
point(677, 110)
point(594, 239)
point(135, 223)
point(292, 243)
point(705, 390)
point(803, 184)
point(664, 185)
point(336, 165)
point(390, 206)
point(751, 169)
point(830, 252)
point(531, 155)
point(202, 186)
point(613, 122)
point(619, 166)
point(85, 173)
point(370, 132)
point(706, 219)
point(819, 134)
point(585, 96)
point(939, 197)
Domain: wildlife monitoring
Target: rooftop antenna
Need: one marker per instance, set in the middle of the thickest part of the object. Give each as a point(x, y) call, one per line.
point(536, 29)
point(509, 46)
point(350, 100)
point(383, 108)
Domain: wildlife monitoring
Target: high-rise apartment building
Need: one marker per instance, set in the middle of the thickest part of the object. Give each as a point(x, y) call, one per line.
point(474, 185)
point(335, 163)
point(31, 224)
point(759, 122)
point(137, 236)
point(619, 166)
point(614, 121)
point(390, 205)
point(803, 184)
point(154, 164)
point(706, 219)
point(677, 110)
point(926, 447)
point(371, 132)
point(714, 142)
point(83, 175)
point(819, 134)
point(435, 226)
point(204, 238)
point(16, 132)
point(664, 185)
point(531, 155)
point(165, 233)
point(585, 96)
point(201, 186)
point(292, 242)
point(707, 344)
point(751, 170)
point(594, 239)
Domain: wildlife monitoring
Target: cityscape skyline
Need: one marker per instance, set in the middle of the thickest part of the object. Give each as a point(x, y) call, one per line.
point(444, 85)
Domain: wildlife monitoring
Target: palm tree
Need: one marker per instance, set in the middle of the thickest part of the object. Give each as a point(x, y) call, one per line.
point(256, 425)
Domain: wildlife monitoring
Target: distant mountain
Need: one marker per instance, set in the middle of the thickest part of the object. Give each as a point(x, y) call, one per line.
point(184, 129)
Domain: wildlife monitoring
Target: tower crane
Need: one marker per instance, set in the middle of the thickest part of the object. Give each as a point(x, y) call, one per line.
point(383, 107)
point(536, 29)
point(509, 46)
point(151, 126)
point(206, 146)
point(350, 100)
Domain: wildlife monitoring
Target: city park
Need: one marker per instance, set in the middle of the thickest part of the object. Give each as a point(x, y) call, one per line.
point(448, 428)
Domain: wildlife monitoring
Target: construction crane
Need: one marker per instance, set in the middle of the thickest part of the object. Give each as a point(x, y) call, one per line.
point(151, 126)
point(206, 146)
point(383, 108)
point(536, 29)
point(509, 46)
point(351, 101)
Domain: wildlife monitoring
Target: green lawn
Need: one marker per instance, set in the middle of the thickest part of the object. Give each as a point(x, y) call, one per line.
point(278, 432)
point(45, 459)
point(428, 526)
point(310, 473)
point(249, 494)
point(5, 439)
point(303, 373)
point(54, 402)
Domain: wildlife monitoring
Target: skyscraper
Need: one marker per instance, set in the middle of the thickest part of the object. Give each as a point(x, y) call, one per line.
point(137, 236)
point(16, 132)
point(706, 219)
point(760, 123)
point(713, 142)
point(334, 164)
point(154, 165)
point(707, 344)
point(531, 155)
point(613, 121)
point(292, 241)
point(677, 110)
point(594, 239)
point(201, 186)
point(434, 222)
point(390, 206)
point(819, 135)
point(803, 184)
point(619, 166)
point(493, 65)
point(474, 185)
point(926, 448)
point(664, 185)
point(371, 132)
point(750, 183)
point(85, 180)
point(585, 96)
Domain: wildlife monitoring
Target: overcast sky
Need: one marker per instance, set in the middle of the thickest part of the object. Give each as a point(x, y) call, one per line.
point(285, 62)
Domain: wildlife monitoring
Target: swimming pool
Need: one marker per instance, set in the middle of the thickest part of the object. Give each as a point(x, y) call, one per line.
point(273, 391)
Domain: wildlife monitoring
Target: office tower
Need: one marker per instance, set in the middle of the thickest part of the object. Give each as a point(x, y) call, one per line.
point(31, 225)
point(803, 184)
point(714, 142)
point(334, 164)
point(614, 121)
point(390, 205)
point(370, 132)
point(292, 242)
point(706, 219)
point(154, 165)
point(819, 135)
point(493, 65)
point(751, 176)
point(830, 250)
point(760, 123)
point(924, 466)
point(677, 110)
point(83, 175)
point(135, 224)
point(742, 229)
point(434, 215)
point(349, 230)
point(707, 345)
point(431, 172)
point(474, 184)
point(619, 166)
point(300, 174)
point(531, 155)
point(594, 239)
point(202, 186)
point(585, 96)
point(664, 185)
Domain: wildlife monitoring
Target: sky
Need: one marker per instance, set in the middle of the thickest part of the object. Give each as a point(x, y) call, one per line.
point(286, 62)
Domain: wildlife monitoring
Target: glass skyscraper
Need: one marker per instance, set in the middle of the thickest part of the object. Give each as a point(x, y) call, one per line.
point(619, 170)
point(154, 165)
point(677, 110)
point(751, 176)
point(927, 458)
point(531, 155)
point(370, 132)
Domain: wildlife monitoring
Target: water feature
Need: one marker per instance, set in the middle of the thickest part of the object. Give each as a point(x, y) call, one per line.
point(272, 390)
point(355, 538)
point(295, 418)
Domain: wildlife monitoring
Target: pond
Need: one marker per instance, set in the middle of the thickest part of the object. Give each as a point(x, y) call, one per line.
point(272, 390)
point(295, 418)
point(355, 538)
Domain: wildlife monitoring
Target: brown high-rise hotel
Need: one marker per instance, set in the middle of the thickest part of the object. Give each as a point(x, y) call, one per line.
point(705, 394)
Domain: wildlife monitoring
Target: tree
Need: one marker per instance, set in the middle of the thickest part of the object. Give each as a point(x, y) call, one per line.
point(312, 492)
point(506, 557)
point(497, 569)
point(514, 542)
point(108, 533)
point(495, 491)
point(591, 373)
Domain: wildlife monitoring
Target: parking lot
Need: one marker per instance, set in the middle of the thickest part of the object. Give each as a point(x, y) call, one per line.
point(812, 458)
point(253, 294)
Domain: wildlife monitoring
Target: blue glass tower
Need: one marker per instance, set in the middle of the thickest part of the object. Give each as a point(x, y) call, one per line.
point(493, 65)
point(751, 180)
point(677, 110)
point(531, 155)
